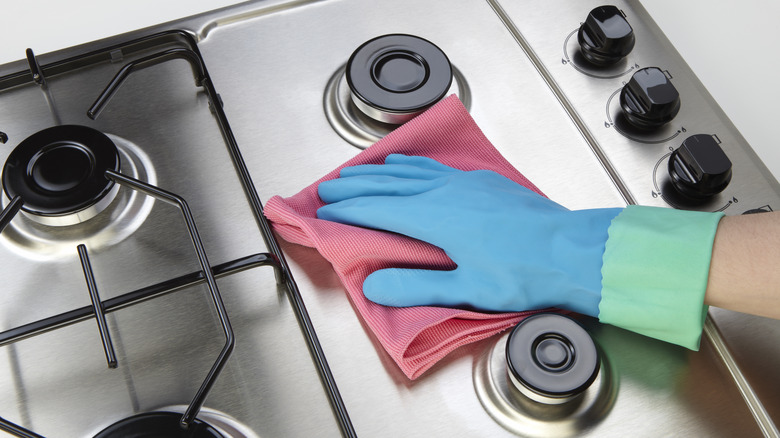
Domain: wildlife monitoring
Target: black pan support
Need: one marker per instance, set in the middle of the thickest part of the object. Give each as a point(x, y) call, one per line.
point(207, 274)
point(35, 68)
point(38, 77)
point(16, 430)
point(97, 305)
point(177, 201)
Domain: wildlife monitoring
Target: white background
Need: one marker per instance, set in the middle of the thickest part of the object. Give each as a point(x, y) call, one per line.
point(730, 45)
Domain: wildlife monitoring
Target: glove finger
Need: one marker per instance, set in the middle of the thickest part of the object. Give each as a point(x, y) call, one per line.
point(340, 189)
point(419, 161)
point(389, 213)
point(414, 287)
point(396, 170)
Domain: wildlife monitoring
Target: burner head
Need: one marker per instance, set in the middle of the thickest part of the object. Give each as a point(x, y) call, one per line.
point(395, 77)
point(157, 425)
point(59, 173)
point(551, 359)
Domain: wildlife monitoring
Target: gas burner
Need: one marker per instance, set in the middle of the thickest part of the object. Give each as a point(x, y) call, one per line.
point(158, 424)
point(386, 82)
point(59, 174)
point(166, 423)
point(28, 237)
point(393, 78)
point(533, 405)
point(562, 363)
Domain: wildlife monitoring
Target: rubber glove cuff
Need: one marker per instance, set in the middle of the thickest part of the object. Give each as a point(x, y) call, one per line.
point(655, 270)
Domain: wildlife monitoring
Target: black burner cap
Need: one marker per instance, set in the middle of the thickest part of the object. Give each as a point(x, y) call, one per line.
point(158, 425)
point(60, 170)
point(552, 356)
point(399, 73)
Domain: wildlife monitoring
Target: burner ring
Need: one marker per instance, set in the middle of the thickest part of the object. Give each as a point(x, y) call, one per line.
point(395, 77)
point(551, 359)
point(60, 171)
point(158, 424)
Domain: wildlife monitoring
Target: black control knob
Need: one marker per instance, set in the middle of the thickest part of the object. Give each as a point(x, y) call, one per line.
point(649, 100)
point(551, 359)
point(606, 37)
point(393, 78)
point(699, 168)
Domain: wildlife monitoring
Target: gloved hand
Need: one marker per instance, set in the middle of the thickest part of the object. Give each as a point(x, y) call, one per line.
point(644, 269)
point(515, 250)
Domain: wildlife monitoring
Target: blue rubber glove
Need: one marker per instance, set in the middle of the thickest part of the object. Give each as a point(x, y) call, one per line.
point(515, 250)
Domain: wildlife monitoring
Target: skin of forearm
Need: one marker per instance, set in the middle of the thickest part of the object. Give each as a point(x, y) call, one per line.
point(745, 268)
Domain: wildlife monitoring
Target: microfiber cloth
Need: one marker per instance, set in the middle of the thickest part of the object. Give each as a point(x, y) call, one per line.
point(415, 337)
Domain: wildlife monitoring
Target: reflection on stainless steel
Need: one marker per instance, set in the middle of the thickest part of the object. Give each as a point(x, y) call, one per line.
point(552, 115)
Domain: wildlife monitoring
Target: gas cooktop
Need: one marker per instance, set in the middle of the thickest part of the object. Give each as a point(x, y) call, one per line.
point(205, 318)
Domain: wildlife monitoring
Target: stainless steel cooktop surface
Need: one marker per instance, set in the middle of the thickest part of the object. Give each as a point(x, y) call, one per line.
point(269, 115)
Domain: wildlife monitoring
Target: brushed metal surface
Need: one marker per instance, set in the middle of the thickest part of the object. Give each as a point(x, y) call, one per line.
point(57, 384)
point(271, 62)
point(635, 153)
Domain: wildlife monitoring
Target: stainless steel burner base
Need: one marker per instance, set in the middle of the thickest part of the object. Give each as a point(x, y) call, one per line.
point(525, 417)
point(126, 212)
point(359, 129)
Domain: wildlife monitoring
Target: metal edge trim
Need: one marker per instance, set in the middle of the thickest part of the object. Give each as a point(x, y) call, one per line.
point(252, 11)
point(763, 420)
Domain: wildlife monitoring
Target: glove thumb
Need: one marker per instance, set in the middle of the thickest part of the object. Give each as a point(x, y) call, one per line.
point(412, 287)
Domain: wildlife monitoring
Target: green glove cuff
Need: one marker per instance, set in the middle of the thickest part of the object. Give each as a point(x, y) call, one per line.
point(654, 274)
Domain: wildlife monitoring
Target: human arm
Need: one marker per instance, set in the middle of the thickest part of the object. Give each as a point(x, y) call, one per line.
point(745, 269)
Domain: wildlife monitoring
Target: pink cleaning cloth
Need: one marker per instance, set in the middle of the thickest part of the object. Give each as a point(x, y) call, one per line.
point(415, 337)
